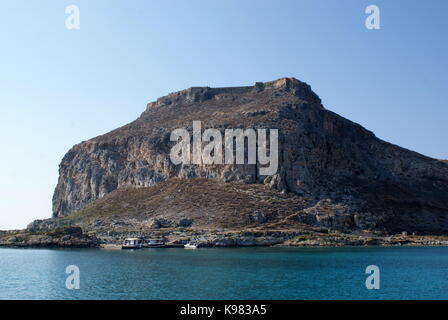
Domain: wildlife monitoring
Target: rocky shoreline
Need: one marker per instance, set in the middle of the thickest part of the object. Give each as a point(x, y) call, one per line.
point(74, 237)
point(63, 238)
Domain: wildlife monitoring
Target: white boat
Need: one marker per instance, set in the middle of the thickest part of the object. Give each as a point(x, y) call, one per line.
point(154, 243)
point(132, 243)
point(189, 245)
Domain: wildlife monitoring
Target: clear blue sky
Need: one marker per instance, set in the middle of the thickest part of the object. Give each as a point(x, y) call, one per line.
point(59, 87)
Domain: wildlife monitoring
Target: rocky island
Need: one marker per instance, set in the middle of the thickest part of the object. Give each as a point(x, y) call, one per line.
point(336, 183)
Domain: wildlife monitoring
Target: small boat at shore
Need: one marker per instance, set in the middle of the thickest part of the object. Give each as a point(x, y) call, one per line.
point(132, 243)
point(154, 243)
point(190, 245)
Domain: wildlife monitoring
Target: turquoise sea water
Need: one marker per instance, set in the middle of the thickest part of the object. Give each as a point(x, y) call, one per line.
point(227, 273)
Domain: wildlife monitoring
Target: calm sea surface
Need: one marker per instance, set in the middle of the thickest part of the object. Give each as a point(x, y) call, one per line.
point(228, 273)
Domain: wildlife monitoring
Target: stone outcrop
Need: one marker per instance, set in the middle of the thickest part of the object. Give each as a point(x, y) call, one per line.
point(58, 237)
point(347, 178)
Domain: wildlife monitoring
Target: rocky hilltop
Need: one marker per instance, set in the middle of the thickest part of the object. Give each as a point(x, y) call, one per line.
point(333, 174)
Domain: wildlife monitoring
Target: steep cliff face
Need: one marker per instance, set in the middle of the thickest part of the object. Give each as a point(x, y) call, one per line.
point(323, 158)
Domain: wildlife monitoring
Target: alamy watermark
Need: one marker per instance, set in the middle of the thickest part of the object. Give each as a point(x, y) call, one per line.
point(73, 280)
point(73, 20)
point(373, 20)
point(373, 280)
point(234, 147)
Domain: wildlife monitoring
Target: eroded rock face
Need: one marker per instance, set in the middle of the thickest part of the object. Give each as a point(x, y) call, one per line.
point(322, 156)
